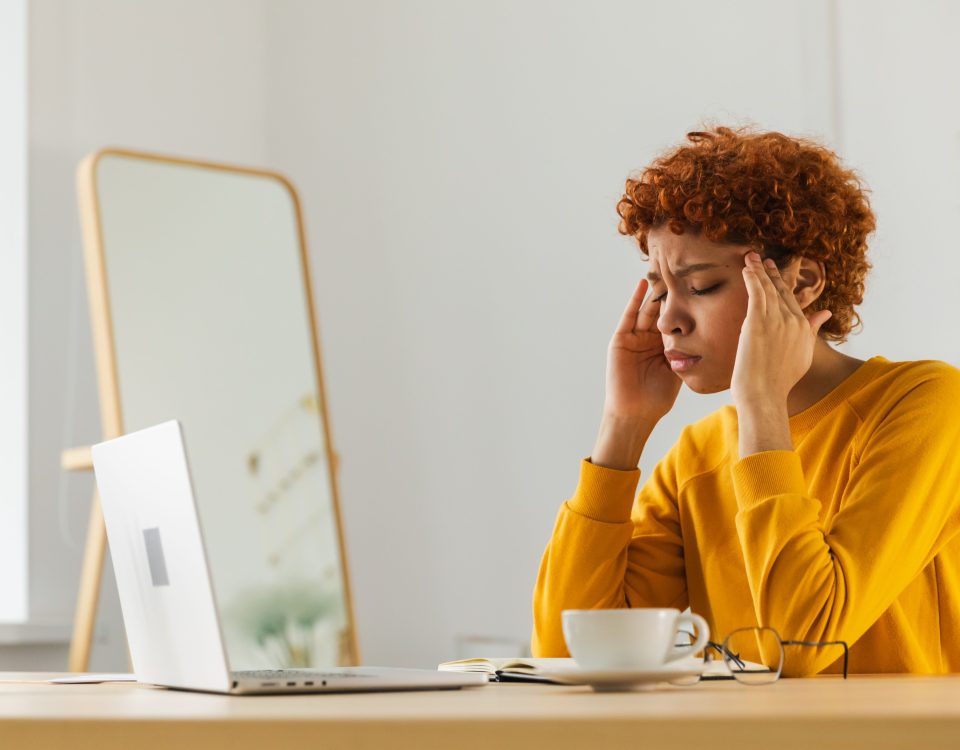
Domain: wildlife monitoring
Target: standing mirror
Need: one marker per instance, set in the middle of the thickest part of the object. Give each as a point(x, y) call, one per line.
point(202, 311)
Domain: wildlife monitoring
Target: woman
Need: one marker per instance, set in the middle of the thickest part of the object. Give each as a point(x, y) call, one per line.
point(825, 501)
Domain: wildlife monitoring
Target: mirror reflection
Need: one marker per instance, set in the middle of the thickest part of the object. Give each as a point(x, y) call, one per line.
point(212, 325)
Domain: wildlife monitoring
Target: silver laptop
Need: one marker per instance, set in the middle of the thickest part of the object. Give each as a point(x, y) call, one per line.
point(166, 591)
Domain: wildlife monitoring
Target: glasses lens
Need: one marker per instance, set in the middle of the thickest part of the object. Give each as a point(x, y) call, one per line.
point(696, 658)
point(753, 655)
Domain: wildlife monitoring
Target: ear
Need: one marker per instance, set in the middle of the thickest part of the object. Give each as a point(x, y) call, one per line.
point(809, 282)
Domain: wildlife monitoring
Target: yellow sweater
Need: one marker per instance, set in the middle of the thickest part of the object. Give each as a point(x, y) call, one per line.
point(850, 536)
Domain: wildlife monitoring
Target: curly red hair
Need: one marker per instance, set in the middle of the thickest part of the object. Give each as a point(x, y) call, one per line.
point(784, 196)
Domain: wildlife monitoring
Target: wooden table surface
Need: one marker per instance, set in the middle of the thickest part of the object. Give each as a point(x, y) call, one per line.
point(824, 712)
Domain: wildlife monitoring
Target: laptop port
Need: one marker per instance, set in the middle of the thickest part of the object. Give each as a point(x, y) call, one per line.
point(268, 684)
point(308, 682)
point(291, 684)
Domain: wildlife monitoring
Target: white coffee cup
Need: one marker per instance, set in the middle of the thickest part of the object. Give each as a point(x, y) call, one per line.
point(640, 638)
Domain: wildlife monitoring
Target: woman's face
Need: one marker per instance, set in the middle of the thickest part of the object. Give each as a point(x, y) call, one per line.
point(702, 309)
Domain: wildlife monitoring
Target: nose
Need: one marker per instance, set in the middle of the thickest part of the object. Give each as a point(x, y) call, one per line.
point(673, 318)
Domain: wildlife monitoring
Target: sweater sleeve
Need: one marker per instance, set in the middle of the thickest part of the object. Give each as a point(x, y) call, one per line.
point(899, 507)
point(599, 557)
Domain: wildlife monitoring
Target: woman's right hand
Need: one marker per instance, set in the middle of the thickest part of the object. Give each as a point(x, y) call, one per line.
point(640, 384)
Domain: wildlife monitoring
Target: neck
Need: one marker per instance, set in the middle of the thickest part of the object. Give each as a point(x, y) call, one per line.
point(828, 369)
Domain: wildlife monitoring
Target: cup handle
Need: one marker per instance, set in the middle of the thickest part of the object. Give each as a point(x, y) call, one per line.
point(703, 635)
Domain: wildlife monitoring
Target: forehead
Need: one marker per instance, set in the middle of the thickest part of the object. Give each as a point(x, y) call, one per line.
point(683, 254)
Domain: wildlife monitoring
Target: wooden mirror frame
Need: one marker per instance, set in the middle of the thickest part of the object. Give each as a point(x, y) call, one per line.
point(111, 416)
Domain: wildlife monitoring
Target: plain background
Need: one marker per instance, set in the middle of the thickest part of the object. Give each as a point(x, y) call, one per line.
point(460, 163)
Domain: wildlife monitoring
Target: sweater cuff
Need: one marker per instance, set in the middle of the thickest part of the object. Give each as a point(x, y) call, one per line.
point(604, 494)
point(767, 474)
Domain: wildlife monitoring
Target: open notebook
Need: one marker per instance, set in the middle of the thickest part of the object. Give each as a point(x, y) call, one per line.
point(514, 669)
point(508, 668)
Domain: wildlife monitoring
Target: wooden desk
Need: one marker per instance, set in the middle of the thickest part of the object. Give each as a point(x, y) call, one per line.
point(870, 712)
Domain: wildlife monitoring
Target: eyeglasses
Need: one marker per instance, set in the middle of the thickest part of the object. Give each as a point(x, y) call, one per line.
point(755, 656)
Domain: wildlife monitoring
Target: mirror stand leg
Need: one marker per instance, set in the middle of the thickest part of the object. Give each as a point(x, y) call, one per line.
point(85, 615)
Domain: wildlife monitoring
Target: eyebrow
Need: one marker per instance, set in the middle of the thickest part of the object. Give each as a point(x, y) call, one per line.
point(685, 270)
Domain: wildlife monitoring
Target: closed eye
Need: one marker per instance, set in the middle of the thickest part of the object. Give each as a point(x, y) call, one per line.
point(694, 291)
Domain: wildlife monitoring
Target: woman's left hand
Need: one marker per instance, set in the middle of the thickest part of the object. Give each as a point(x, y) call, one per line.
point(776, 340)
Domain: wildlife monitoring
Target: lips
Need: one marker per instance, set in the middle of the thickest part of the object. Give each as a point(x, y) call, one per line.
point(674, 354)
point(681, 361)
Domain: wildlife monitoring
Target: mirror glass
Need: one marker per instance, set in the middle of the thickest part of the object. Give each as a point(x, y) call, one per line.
point(211, 325)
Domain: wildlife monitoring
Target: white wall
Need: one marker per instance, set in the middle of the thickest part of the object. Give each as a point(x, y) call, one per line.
point(460, 164)
point(900, 116)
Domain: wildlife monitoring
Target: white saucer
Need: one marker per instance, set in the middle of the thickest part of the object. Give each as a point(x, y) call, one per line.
point(610, 680)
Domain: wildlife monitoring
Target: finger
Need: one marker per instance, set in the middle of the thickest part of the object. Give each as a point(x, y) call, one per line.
point(774, 300)
point(763, 275)
point(756, 298)
point(648, 315)
point(629, 320)
point(773, 273)
point(817, 319)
